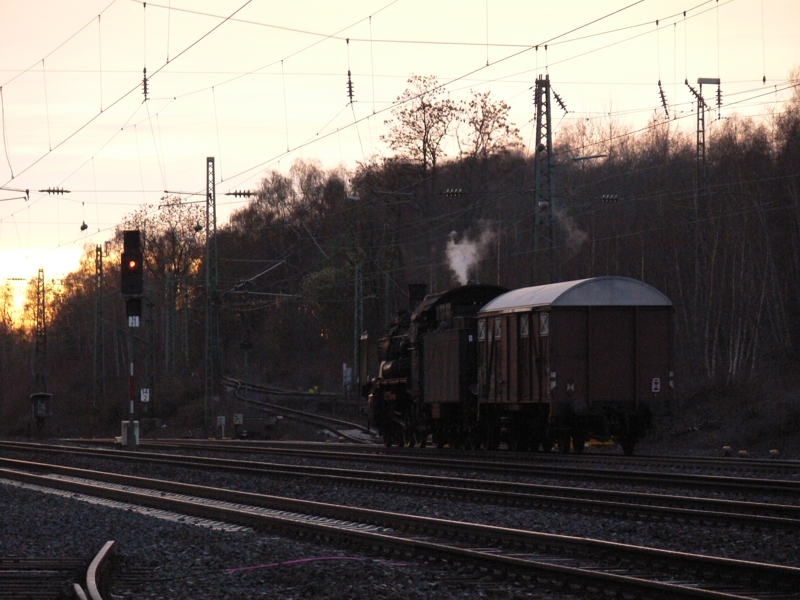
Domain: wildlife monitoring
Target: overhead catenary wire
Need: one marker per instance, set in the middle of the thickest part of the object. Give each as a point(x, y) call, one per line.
point(372, 67)
point(46, 106)
point(169, 18)
point(100, 59)
point(458, 78)
point(5, 137)
point(231, 17)
point(277, 158)
point(218, 142)
point(763, 46)
point(159, 157)
point(57, 48)
point(285, 111)
point(434, 42)
point(219, 147)
point(125, 94)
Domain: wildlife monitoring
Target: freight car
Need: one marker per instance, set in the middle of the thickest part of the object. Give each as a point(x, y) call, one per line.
point(476, 365)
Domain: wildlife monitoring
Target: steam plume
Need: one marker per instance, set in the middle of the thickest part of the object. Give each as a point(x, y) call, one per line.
point(574, 237)
point(463, 256)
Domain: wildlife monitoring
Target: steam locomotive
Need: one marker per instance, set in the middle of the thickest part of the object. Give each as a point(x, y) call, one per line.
point(479, 365)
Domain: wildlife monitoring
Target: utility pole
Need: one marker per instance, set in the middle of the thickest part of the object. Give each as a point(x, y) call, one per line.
point(99, 380)
point(149, 408)
point(700, 182)
point(169, 322)
point(700, 159)
point(186, 322)
point(40, 398)
point(358, 323)
point(544, 186)
point(40, 363)
point(212, 318)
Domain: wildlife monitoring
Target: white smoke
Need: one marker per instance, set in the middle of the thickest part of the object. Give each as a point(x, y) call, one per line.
point(574, 237)
point(463, 256)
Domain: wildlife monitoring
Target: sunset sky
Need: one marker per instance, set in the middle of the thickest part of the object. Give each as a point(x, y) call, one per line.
point(268, 85)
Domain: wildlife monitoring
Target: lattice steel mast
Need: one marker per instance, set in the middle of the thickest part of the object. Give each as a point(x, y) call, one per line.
point(99, 379)
point(40, 362)
point(545, 208)
point(212, 317)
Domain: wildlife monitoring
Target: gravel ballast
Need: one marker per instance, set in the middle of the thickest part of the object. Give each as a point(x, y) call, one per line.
point(191, 561)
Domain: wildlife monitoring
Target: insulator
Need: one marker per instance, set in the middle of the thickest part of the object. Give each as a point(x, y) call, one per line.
point(560, 102)
point(349, 87)
point(663, 98)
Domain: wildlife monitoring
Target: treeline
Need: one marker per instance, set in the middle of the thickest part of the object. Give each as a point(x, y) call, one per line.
point(314, 246)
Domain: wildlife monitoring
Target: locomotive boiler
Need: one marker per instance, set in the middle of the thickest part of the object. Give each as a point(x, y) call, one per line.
point(559, 363)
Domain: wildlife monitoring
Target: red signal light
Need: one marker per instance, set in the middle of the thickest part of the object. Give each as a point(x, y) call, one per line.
point(131, 264)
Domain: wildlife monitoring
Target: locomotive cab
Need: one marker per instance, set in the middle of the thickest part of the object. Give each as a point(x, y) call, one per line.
point(426, 374)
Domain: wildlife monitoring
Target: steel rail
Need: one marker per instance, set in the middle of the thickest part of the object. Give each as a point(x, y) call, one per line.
point(95, 569)
point(717, 482)
point(791, 467)
point(628, 505)
point(471, 539)
point(28, 577)
point(335, 426)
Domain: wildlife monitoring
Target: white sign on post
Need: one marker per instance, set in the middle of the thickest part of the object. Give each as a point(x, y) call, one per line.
point(144, 394)
point(133, 321)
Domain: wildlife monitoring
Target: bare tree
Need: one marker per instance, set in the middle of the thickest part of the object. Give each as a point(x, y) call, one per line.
point(420, 122)
point(489, 129)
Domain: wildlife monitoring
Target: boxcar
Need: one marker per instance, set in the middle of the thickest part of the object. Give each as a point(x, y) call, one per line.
point(574, 360)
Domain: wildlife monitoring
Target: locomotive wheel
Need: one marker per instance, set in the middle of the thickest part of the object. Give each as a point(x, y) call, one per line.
point(628, 444)
point(563, 443)
point(493, 437)
point(415, 438)
point(547, 443)
point(578, 441)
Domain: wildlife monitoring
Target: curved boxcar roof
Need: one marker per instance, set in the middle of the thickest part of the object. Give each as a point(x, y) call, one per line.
point(597, 291)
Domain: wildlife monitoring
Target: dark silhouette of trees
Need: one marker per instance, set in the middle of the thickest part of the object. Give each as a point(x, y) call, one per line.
point(726, 250)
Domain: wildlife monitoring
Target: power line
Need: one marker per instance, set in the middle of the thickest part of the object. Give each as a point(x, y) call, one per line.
point(54, 50)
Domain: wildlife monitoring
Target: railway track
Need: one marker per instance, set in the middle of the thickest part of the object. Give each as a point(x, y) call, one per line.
point(29, 578)
point(619, 504)
point(686, 464)
point(582, 565)
point(789, 488)
point(338, 427)
point(743, 467)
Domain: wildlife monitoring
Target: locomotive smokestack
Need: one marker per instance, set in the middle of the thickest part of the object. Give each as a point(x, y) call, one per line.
point(416, 294)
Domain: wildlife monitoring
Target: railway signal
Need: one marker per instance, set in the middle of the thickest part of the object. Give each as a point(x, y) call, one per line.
point(132, 267)
point(132, 288)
